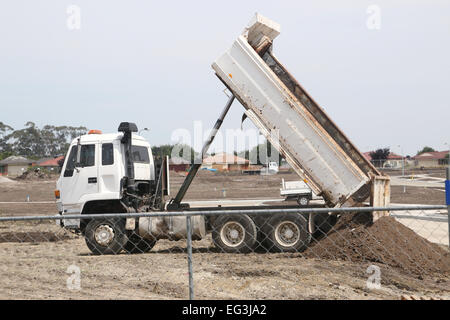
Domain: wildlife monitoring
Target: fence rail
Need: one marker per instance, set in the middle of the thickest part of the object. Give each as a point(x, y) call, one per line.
point(221, 212)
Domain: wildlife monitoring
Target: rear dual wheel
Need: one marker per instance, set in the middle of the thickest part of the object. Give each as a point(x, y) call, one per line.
point(286, 233)
point(280, 233)
point(235, 233)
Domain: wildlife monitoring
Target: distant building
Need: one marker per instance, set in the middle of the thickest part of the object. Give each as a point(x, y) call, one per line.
point(14, 166)
point(226, 162)
point(434, 159)
point(178, 164)
point(51, 164)
point(393, 160)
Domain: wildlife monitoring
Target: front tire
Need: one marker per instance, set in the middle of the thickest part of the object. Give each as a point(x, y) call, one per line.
point(235, 233)
point(106, 236)
point(286, 233)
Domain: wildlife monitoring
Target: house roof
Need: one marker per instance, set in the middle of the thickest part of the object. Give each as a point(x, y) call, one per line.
point(394, 156)
point(225, 158)
point(16, 160)
point(391, 156)
point(367, 155)
point(52, 162)
point(42, 160)
point(436, 155)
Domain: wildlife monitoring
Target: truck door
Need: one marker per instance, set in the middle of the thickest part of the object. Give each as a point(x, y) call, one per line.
point(80, 182)
point(109, 172)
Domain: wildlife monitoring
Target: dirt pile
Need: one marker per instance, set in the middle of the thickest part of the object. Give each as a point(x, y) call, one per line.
point(387, 241)
point(35, 175)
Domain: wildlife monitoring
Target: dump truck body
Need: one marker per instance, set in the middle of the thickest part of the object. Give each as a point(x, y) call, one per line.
point(292, 121)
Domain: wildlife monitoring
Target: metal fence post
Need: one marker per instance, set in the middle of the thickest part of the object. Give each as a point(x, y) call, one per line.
point(447, 200)
point(189, 252)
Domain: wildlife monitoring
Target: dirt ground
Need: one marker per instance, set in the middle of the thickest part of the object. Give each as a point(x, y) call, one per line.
point(38, 269)
point(433, 172)
point(35, 257)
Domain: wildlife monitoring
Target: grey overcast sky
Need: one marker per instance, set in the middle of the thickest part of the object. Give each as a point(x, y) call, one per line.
point(149, 62)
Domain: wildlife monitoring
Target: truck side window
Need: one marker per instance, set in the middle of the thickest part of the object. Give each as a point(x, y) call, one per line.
point(107, 154)
point(140, 154)
point(70, 164)
point(87, 156)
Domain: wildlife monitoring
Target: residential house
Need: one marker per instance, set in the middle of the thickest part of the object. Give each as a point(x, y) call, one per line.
point(14, 166)
point(226, 162)
point(434, 159)
point(393, 160)
point(178, 164)
point(51, 164)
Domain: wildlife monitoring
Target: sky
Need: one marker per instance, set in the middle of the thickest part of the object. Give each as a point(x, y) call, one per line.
point(149, 62)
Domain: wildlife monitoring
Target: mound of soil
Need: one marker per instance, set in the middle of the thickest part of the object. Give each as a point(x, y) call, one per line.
point(35, 175)
point(387, 241)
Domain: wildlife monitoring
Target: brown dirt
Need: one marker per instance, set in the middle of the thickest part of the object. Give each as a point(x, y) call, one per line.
point(37, 268)
point(417, 195)
point(355, 238)
point(31, 175)
point(434, 172)
point(39, 271)
point(31, 237)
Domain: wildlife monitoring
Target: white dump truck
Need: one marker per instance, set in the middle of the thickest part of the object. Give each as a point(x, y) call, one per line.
point(117, 173)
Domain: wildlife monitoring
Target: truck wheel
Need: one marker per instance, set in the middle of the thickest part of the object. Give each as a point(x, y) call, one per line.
point(286, 233)
point(106, 236)
point(234, 233)
point(303, 201)
point(323, 223)
point(137, 244)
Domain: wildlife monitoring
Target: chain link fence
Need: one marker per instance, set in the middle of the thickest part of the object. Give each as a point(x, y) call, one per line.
point(310, 253)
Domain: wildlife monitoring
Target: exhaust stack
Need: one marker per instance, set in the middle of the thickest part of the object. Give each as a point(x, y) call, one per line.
point(128, 128)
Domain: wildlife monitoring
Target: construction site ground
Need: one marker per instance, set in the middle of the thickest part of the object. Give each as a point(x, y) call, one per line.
point(36, 255)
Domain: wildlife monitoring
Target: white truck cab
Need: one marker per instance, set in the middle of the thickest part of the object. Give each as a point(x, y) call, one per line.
point(96, 177)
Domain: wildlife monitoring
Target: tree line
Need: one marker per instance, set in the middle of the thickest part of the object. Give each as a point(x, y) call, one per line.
point(33, 142)
point(52, 141)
